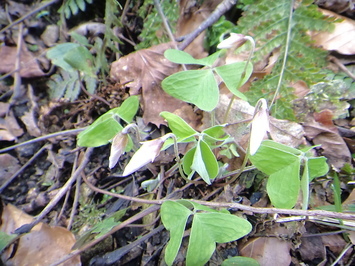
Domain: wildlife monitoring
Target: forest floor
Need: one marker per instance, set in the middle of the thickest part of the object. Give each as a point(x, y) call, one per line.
point(84, 212)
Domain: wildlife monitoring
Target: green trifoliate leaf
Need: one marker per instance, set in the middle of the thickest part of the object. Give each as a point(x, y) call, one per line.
point(106, 126)
point(283, 186)
point(198, 87)
point(181, 57)
point(231, 75)
point(204, 162)
point(178, 126)
point(174, 217)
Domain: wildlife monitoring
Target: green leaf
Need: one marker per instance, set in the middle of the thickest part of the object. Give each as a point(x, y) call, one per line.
point(271, 157)
point(106, 126)
point(198, 87)
point(283, 186)
point(317, 166)
point(100, 132)
point(178, 126)
point(216, 133)
point(240, 261)
point(73, 6)
point(128, 109)
point(5, 240)
point(211, 228)
point(232, 76)
point(80, 59)
point(81, 4)
point(174, 217)
point(187, 161)
point(55, 54)
point(80, 39)
point(204, 162)
point(181, 57)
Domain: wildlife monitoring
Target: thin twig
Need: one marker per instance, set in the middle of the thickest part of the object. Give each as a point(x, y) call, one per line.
point(237, 206)
point(8, 181)
point(215, 15)
point(34, 11)
point(27, 227)
point(132, 219)
point(341, 255)
point(342, 67)
point(52, 135)
point(112, 257)
point(76, 197)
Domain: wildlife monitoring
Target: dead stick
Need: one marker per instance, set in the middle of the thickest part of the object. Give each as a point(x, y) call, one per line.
point(237, 206)
point(52, 135)
point(134, 218)
point(215, 15)
point(27, 227)
point(32, 12)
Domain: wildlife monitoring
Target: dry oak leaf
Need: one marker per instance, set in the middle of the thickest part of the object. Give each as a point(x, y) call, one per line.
point(143, 71)
point(8, 166)
point(342, 39)
point(43, 245)
point(324, 132)
point(29, 66)
point(9, 128)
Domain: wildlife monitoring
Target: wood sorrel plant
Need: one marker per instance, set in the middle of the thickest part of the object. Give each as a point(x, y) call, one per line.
point(290, 170)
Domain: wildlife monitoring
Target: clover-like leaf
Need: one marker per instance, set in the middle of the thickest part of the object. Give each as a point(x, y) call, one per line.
point(204, 162)
point(181, 57)
point(272, 156)
point(209, 227)
point(106, 126)
point(198, 87)
point(174, 217)
point(283, 186)
point(178, 126)
point(231, 75)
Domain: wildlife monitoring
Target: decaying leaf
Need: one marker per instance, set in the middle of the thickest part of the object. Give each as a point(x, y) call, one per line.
point(282, 131)
point(8, 166)
point(342, 39)
point(43, 245)
point(145, 69)
point(29, 65)
point(324, 133)
point(268, 251)
point(9, 128)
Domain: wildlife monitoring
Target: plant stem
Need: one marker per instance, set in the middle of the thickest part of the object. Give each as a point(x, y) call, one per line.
point(252, 42)
point(288, 39)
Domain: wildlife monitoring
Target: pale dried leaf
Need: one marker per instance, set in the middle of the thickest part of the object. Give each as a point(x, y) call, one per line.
point(29, 65)
point(145, 69)
point(43, 245)
point(342, 39)
point(282, 131)
point(268, 251)
point(8, 166)
point(31, 124)
point(9, 128)
point(333, 145)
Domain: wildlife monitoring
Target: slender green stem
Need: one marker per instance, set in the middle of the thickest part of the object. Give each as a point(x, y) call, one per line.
point(178, 159)
point(252, 42)
point(283, 67)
